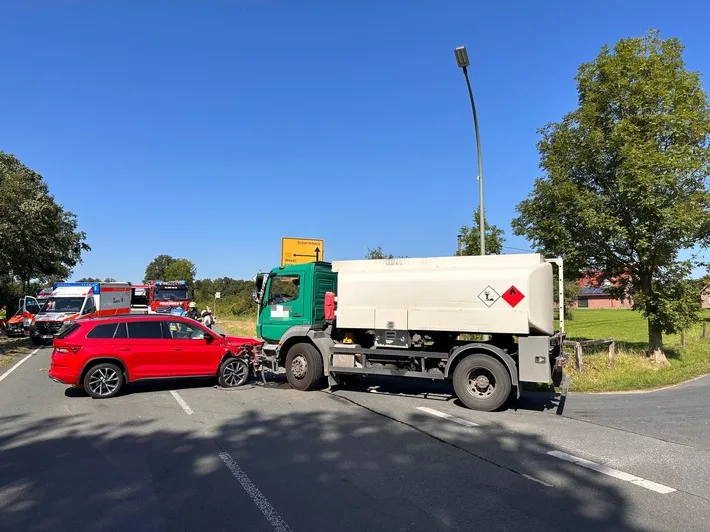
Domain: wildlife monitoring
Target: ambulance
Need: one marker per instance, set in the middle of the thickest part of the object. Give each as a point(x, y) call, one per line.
point(19, 324)
point(70, 301)
point(28, 307)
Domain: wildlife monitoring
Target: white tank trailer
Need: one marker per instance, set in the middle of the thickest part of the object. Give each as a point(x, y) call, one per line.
point(486, 323)
point(494, 294)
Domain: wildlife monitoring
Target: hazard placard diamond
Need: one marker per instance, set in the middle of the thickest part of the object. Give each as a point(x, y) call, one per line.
point(489, 296)
point(513, 296)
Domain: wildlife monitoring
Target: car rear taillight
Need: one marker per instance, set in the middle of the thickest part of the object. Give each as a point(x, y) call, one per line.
point(67, 349)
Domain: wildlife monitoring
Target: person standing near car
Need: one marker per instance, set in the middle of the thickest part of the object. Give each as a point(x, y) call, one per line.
point(3, 317)
point(208, 318)
point(192, 311)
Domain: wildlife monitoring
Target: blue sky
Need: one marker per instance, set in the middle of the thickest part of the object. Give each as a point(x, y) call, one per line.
point(210, 129)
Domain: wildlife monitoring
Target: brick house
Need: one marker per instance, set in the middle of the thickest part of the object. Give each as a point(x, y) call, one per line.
point(594, 293)
point(705, 297)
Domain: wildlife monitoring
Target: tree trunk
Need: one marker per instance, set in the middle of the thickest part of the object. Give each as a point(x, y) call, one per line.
point(655, 344)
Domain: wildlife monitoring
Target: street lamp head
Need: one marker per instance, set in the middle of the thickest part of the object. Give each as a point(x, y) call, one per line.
point(461, 56)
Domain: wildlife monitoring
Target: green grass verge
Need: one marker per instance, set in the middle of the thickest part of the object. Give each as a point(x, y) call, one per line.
point(632, 370)
point(244, 327)
point(12, 348)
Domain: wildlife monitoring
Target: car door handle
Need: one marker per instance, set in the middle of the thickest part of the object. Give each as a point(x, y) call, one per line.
point(124, 349)
point(297, 315)
point(177, 348)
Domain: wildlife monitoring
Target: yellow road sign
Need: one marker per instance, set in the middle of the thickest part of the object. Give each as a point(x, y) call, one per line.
point(301, 250)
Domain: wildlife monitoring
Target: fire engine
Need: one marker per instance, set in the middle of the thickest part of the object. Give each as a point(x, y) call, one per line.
point(164, 296)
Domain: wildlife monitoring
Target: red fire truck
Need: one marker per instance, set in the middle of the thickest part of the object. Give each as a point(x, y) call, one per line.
point(164, 296)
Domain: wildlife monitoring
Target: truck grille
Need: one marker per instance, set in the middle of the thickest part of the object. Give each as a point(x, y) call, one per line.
point(48, 327)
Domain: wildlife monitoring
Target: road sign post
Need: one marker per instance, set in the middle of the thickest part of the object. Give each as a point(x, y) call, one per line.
point(217, 295)
point(301, 251)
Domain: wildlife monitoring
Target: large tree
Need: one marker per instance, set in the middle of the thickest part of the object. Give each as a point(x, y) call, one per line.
point(471, 238)
point(155, 271)
point(40, 240)
point(625, 185)
point(180, 270)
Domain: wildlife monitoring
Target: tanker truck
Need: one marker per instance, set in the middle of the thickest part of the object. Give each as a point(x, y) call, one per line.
point(484, 323)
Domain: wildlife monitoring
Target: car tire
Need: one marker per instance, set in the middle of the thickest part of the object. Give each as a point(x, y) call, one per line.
point(304, 367)
point(37, 341)
point(103, 380)
point(233, 372)
point(481, 382)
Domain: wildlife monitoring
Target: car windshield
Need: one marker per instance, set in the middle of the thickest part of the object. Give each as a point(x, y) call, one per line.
point(170, 295)
point(63, 304)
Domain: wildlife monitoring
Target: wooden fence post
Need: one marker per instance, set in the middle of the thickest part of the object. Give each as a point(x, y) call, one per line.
point(578, 356)
point(612, 353)
point(705, 329)
point(682, 338)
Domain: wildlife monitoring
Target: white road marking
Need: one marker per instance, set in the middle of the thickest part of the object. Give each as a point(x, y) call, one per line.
point(13, 368)
point(256, 496)
point(182, 403)
point(653, 486)
point(444, 415)
point(537, 480)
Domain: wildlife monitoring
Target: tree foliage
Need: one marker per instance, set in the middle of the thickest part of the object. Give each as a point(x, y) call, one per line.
point(236, 295)
point(377, 254)
point(180, 270)
point(155, 271)
point(471, 239)
point(39, 238)
point(625, 185)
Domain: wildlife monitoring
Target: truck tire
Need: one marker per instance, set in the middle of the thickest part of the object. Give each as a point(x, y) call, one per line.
point(481, 382)
point(304, 367)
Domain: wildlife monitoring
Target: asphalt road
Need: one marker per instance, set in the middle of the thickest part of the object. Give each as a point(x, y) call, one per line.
point(184, 455)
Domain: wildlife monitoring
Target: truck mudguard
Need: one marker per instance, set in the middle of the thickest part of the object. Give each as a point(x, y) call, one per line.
point(322, 342)
point(493, 350)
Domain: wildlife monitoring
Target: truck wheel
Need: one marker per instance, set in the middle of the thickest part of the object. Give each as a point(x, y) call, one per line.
point(233, 372)
point(103, 381)
point(482, 383)
point(304, 367)
point(37, 341)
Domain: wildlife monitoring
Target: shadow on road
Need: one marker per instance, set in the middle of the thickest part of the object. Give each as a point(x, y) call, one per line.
point(443, 391)
point(346, 470)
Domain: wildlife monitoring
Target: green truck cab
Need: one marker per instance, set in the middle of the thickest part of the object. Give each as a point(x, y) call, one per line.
point(294, 296)
point(292, 321)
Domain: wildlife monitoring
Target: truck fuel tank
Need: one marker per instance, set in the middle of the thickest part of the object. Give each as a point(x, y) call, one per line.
point(491, 294)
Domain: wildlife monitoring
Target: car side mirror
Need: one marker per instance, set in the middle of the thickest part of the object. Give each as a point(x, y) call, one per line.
point(208, 337)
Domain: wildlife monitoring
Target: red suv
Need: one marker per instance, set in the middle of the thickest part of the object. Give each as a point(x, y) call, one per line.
point(103, 354)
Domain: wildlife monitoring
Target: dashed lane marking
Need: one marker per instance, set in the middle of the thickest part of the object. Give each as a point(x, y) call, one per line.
point(626, 477)
point(444, 415)
point(182, 402)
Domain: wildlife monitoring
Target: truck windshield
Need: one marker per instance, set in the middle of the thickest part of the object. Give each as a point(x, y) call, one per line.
point(170, 295)
point(63, 304)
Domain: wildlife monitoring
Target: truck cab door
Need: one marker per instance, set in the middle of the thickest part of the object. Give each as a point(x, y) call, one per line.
point(283, 306)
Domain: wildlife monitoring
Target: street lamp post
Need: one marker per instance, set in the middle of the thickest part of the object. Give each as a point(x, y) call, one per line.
point(462, 60)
